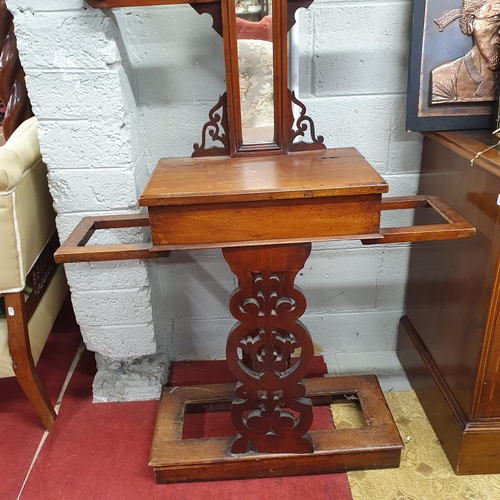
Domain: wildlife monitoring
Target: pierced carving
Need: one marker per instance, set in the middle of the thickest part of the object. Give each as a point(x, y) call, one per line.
point(13, 93)
point(43, 267)
point(303, 124)
point(213, 9)
point(217, 129)
point(270, 411)
point(292, 7)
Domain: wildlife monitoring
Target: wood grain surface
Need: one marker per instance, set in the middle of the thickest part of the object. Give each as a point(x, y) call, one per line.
point(453, 306)
point(332, 172)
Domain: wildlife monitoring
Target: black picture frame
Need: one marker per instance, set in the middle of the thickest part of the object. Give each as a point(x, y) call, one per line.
point(430, 48)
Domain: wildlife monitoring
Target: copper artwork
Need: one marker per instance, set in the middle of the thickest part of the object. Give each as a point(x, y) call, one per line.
point(473, 76)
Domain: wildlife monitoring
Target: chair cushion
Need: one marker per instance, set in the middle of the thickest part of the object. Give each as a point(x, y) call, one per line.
point(27, 218)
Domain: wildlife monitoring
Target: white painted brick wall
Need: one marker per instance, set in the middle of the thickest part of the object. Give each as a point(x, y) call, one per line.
point(77, 144)
point(116, 91)
point(88, 125)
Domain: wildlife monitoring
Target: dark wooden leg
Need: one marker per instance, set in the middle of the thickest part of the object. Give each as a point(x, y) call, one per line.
point(20, 352)
point(259, 348)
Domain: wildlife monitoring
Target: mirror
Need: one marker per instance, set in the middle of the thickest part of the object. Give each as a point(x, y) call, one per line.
point(254, 115)
point(255, 44)
point(254, 33)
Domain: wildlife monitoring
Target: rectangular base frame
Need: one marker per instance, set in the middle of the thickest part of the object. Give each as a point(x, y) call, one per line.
point(377, 445)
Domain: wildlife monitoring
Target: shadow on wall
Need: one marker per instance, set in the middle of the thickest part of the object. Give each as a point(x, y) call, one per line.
point(174, 54)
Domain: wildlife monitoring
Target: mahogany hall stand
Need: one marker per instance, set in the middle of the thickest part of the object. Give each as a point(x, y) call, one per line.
point(264, 214)
point(263, 205)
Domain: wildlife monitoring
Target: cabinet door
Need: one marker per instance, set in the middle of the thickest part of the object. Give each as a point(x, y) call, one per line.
point(449, 296)
point(490, 396)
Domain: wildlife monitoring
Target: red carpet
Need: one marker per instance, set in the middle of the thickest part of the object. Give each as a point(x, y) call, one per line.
point(199, 425)
point(20, 427)
point(100, 451)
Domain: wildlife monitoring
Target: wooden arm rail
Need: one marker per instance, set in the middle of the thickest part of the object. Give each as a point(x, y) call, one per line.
point(455, 227)
point(74, 249)
point(111, 4)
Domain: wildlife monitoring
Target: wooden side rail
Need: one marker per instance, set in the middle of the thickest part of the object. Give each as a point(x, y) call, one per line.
point(74, 249)
point(111, 4)
point(455, 227)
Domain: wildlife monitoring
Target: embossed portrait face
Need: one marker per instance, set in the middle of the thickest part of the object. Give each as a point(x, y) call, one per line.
point(485, 27)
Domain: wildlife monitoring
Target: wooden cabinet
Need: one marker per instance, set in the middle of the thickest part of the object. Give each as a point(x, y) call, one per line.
point(449, 341)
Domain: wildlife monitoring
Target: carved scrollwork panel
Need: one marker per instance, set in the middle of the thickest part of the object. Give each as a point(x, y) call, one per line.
point(269, 350)
point(300, 126)
point(216, 129)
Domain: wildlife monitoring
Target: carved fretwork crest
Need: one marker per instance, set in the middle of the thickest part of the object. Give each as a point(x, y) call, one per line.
point(217, 130)
point(300, 126)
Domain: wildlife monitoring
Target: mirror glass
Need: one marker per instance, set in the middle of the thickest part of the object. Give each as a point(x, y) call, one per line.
point(255, 63)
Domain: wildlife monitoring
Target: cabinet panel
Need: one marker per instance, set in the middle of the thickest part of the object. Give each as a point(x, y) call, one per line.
point(490, 398)
point(450, 283)
point(450, 338)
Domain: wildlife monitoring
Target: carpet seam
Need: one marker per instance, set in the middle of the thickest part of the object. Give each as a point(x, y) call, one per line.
point(57, 406)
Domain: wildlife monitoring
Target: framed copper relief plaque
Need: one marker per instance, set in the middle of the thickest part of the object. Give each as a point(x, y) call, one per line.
point(454, 65)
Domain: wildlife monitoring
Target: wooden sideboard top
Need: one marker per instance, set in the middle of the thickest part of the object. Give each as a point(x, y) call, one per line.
point(468, 144)
point(311, 174)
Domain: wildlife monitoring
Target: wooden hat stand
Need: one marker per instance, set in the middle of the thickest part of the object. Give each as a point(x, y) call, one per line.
point(264, 204)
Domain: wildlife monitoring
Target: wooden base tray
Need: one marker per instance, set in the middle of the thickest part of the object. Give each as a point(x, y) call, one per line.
point(377, 445)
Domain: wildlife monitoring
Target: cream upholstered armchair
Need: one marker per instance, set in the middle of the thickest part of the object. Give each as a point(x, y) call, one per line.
point(32, 287)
